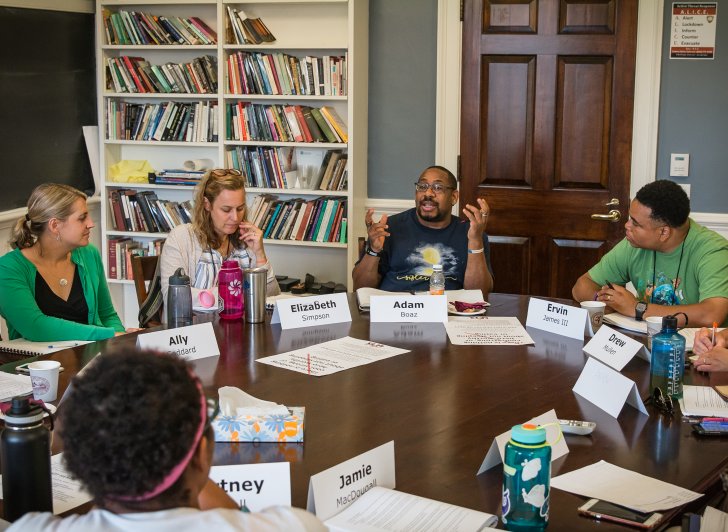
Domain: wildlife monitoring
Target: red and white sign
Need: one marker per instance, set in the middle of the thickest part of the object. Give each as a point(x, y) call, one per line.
point(692, 34)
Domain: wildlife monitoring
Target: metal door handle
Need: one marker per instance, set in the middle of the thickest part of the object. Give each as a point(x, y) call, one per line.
point(612, 202)
point(613, 216)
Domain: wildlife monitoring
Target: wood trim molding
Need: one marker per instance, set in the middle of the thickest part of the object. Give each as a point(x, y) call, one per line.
point(76, 6)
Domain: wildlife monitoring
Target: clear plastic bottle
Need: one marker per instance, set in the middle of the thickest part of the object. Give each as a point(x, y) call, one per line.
point(179, 300)
point(668, 359)
point(437, 281)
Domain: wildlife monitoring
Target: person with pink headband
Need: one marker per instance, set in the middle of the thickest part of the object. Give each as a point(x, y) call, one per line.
point(136, 433)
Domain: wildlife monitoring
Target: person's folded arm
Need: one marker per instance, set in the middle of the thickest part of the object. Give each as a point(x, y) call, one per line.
point(584, 288)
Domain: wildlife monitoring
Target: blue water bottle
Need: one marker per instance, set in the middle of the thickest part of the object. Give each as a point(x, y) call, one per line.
point(668, 359)
point(526, 479)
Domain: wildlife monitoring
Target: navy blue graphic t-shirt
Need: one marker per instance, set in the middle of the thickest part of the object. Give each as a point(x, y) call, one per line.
point(411, 250)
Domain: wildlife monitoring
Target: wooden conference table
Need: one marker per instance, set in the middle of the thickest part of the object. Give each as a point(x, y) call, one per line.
point(442, 405)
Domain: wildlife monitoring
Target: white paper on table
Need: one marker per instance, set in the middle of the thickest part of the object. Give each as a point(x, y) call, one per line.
point(702, 401)
point(383, 509)
point(486, 330)
point(67, 492)
point(714, 520)
point(331, 357)
point(625, 322)
point(12, 385)
point(617, 485)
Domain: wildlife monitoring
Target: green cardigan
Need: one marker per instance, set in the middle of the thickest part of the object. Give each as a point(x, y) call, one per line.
point(25, 319)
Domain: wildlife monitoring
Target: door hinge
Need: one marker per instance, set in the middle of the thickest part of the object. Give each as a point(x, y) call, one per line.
point(462, 10)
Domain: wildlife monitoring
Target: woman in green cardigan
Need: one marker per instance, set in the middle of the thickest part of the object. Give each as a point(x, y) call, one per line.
point(52, 284)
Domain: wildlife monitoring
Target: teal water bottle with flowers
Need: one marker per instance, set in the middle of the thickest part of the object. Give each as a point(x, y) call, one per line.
point(526, 479)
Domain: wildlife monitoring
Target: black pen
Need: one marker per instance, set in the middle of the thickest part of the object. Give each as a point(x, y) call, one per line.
point(610, 285)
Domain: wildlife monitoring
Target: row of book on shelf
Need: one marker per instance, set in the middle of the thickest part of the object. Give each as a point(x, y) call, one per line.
point(137, 75)
point(140, 28)
point(246, 121)
point(143, 211)
point(163, 121)
point(271, 167)
point(245, 30)
point(120, 250)
point(314, 220)
point(279, 73)
point(176, 177)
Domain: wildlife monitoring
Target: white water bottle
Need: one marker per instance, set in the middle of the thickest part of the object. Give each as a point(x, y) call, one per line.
point(437, 281)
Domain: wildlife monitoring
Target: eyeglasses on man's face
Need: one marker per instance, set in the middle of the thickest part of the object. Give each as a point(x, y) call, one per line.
point(437, 188)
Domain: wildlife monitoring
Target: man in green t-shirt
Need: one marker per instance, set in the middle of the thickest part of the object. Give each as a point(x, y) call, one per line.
point(669, 259)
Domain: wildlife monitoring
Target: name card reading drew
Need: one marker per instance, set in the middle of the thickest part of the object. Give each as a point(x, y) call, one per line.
point(612, 347)
point(296, 312)
point(255, 486)
point(191, 342)
point(556, 318)
point(408, 308)
point(334, 489)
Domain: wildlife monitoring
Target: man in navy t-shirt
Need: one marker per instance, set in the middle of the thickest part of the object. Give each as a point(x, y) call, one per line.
point(400, 251)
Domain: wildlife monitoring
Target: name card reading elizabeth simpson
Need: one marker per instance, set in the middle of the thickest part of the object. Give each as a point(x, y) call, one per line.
point(296, 312)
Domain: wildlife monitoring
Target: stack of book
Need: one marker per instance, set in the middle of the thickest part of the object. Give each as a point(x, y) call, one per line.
point(284, 123)
point(135, 27)
point(142, 211)
point(122, 249)
point(245, 30)
point(176, 177)
point(315, 220)
point(165, 121)
point(136, 75)
point(279, 73)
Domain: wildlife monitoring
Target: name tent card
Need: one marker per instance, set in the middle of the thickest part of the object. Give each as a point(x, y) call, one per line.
point(191, 342)
point(608, 389)
point(556, 318)
point(497, 449)
point(408, 308)
point(612, 347)
point(296, 312)
point(255, 486)
point(334, 489)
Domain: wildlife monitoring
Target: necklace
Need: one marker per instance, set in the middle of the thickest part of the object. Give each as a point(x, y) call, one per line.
point(63, 281)
point(677, 273)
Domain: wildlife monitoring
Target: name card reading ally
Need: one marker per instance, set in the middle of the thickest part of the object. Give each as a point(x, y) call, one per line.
point(296, 312)
point(612, 347)
point(497, 450)
point(191, 342)
point(556, 318)
point(607, 389)
point(255, 486)
point(334, 489)
point(408, 308)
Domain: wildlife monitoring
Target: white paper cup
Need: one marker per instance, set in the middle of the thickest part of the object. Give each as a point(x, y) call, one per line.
point(44, 378)
point(596, 312)
point(654, 325)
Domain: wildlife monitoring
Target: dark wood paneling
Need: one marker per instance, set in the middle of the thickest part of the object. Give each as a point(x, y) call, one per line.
point(509, 257)
point(578, 16)
point(510, 16)
point(571, 258)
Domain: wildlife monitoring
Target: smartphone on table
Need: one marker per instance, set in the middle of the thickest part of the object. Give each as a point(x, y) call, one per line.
point(619, 514)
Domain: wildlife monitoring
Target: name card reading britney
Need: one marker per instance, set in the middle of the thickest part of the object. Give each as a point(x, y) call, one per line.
point(296, 312)
point(556, 318)
point(408, 308)
point(191, 342)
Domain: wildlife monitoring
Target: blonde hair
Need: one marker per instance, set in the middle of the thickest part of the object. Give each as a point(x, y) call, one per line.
point(214, 182)
point(47, 201)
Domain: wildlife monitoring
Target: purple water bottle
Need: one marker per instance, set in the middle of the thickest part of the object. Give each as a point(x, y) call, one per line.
point(230, 291)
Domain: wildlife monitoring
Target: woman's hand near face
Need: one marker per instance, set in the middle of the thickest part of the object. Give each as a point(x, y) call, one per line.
point(253, 238)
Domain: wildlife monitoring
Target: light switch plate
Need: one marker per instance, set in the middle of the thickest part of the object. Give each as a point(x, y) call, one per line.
point(679, 164)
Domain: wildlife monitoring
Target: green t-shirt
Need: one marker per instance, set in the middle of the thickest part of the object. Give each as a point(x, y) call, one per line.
point(703, 271)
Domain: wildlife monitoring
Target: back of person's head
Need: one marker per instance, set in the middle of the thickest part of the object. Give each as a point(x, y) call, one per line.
point(212, 184)
point(47, 201)
point(447, 174)
point(130, 420)
point(667, 200)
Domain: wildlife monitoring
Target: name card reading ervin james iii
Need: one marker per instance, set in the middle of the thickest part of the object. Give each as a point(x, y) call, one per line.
point(557, 318)
point(297, 312)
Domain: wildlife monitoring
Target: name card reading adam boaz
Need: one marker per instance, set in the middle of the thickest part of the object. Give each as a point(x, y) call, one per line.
point(296, 312)
point(556, 318)
point(191, 342)
point(408, 308)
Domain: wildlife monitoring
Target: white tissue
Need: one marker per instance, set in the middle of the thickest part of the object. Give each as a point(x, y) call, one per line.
point(235, 402)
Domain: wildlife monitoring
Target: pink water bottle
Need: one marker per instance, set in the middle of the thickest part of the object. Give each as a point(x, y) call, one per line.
point(230, 291)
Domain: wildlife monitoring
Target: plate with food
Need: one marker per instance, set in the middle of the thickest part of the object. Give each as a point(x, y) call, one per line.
point(463, 308)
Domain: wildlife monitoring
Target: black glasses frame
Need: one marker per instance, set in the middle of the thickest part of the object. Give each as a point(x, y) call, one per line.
point(437, 188)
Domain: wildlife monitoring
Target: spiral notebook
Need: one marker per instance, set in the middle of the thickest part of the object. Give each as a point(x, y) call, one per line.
point(21, 346)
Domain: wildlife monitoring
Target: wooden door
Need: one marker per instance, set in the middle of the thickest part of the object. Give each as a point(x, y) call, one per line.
point(546, 133)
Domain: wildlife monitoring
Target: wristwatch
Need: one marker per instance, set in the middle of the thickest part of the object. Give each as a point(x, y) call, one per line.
point(639, 310)
point(369, 251)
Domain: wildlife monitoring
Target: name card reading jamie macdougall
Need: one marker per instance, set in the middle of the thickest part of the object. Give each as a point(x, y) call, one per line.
point(556, 318)
point(191, 342)
point(408, 308)
point(255, 486)
point(334, 489)
point(296, 312)
point(612, 347)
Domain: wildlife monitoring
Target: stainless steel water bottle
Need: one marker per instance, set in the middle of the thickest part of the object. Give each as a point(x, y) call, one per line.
point(255, 289)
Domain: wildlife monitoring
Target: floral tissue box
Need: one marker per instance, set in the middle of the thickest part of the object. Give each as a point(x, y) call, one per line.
point(264, 428)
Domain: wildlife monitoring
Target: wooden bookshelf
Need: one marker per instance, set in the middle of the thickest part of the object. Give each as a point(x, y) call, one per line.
point(302, 28)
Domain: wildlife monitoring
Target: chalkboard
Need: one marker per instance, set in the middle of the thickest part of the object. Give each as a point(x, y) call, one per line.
point(47, 93)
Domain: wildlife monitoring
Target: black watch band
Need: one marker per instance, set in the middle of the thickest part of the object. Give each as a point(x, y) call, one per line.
point(639, 310)
point(369, 251)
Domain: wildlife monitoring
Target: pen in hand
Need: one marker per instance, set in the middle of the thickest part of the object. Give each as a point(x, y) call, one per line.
point(610, 285)
point(715, 327)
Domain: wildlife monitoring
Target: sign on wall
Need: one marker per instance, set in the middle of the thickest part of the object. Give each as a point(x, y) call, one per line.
point(692, 32)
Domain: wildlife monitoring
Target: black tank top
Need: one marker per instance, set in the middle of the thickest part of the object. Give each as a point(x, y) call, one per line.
point(75, 309)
